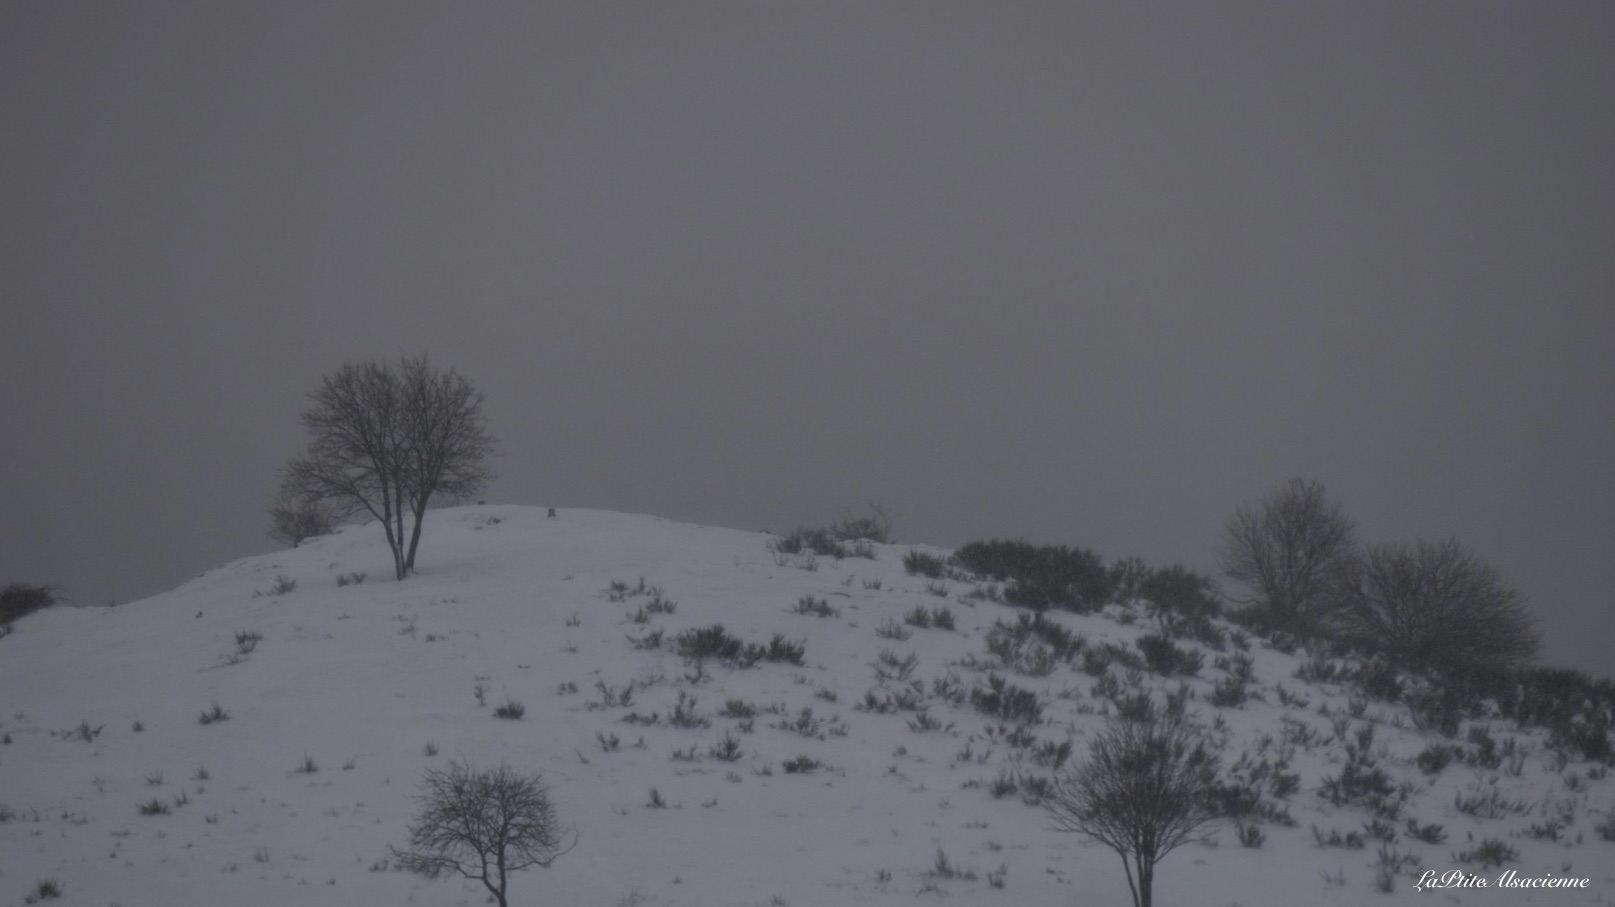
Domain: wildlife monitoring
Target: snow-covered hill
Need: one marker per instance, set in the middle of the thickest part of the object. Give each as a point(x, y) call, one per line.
point(369, 682)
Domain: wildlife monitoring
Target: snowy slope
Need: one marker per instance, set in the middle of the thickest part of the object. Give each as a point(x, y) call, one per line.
point(101, 715)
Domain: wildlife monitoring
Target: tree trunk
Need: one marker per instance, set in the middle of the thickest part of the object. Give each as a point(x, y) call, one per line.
point(1146, 882)
point(414, 539)
point(395, 544)
point(394, 521)
point(1127, 867)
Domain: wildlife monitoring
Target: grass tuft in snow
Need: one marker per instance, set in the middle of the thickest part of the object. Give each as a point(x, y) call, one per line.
point(45, 890)
point(816, 607)
point(154, 807)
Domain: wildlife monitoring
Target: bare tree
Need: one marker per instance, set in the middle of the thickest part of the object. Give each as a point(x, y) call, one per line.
point(1432, 606)
point(1144, 791)
point(385, 441)
point(1294, 555)
point(483, 824)
point(293, 519)
point(449, 444)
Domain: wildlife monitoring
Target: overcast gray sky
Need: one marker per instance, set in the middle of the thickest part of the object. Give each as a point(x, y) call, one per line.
point(1088, 273)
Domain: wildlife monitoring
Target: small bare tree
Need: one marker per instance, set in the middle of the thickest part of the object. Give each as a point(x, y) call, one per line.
point(1294, 555)
point(1144, 790)
point(1434, 607)
point(483, 824)
point(386, 441)
point(293, 519)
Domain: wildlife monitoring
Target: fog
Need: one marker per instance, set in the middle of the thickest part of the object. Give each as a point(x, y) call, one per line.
point(1092, 274)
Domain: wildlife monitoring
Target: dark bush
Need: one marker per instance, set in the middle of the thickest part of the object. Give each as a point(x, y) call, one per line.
point(818, 541)
point(1183, 603)
point(1041, 577)
point(708, 643)
point(1351, 840)
point(1544, 696)
point(1577, 710)
point(1233, 799)
point(1436, 710)
point(1127, 577)
point(1586, 739)
point(1033, 644)
point(817, 607)
point(1177, 590)
point(1229, 693)
point(1004, 700)
point(801, 765)
point(19, 600)
point(1098, 659)
point(1380, 680)
point(1490, 852)
point(716, 644)
point(1433, 607)
point(1432, 833)
point(781, 649)
point(1437, 756)
point(1361, 782)
point(1164, 658)
point(918, 563)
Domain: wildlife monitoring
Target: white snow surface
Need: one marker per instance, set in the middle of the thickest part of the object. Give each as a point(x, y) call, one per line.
point(363, 678)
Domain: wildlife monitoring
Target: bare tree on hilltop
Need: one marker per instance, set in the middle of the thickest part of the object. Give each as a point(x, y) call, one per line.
point(1437, 608)
point(1294, 555)
point(386, 439)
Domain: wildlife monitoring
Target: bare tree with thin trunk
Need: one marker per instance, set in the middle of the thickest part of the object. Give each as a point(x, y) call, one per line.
point(483, 824)
point(1144, 790)
point(386, 441)
point(1293, 555)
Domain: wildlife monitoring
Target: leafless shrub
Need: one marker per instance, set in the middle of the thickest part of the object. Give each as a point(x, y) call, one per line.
point(1432, 606)
point(874, 526)
point(1144, 791)
point(293, 518)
